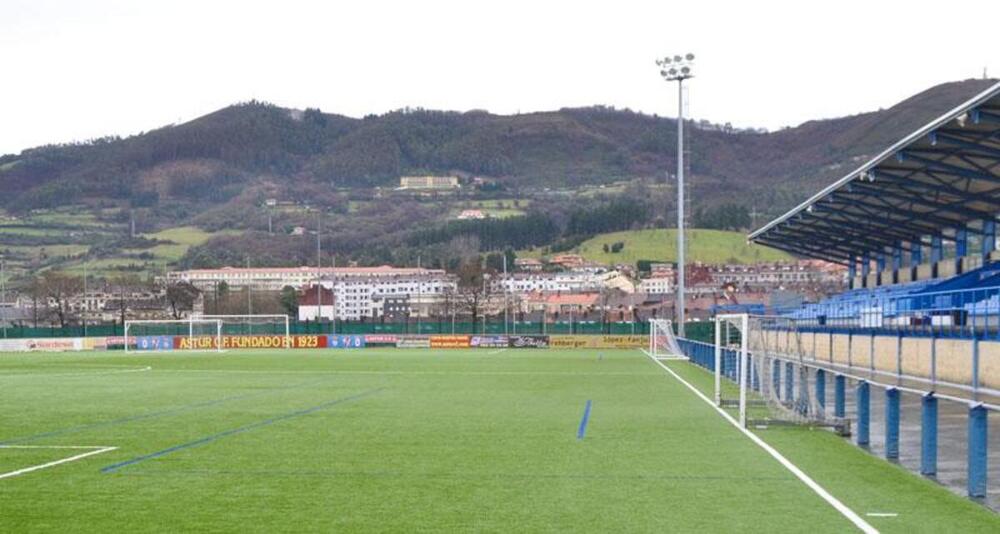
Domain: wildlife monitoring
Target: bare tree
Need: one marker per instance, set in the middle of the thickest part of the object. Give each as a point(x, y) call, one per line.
point(181, 297)
point(473, 289)
point(58, 288)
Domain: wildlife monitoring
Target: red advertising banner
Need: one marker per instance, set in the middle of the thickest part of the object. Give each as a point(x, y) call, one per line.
point(251, 342)
point(451, 342)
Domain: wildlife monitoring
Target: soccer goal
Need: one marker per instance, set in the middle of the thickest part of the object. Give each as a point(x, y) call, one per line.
point(254, 325)
point(761, 371)
point(156, 335)
point(663, 344)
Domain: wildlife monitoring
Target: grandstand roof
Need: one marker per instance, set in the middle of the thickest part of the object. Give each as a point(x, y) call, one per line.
point(944, 175)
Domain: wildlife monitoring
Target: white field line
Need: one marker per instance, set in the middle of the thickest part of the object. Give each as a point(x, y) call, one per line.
point(94, 450)
point(858, 521)
point(94, 373)
point(497, 351)
point(432, 373)
point(881, 514)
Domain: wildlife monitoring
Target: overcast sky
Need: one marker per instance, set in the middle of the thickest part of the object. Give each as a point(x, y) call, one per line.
point(74, 70)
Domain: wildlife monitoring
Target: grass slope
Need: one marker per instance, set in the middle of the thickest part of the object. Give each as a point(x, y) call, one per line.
point(411, 440)
point(709, 246)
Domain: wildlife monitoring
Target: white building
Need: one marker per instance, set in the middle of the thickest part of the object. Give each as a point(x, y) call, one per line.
point(564, 282)
point(355, 288)
point(657, 285)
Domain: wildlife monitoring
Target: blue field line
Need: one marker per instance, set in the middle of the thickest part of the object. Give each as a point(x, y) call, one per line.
point(201, 441)
point(583, 420)
point(150, 415)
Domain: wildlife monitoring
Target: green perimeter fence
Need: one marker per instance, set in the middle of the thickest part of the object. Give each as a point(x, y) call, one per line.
point(699, 331)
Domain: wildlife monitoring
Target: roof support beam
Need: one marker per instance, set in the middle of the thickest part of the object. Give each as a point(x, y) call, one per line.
point(880, 220)
point(805, 251)
point(916, 199)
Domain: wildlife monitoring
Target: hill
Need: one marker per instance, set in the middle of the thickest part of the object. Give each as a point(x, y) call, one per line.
point(548, 178)
point(708, 246)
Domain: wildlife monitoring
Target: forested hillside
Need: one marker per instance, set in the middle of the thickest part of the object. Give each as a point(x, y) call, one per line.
point(560, 176)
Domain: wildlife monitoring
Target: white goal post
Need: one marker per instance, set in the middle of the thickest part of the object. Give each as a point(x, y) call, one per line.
point(663, 344)
point(158, 334)
point(244, 325)
point(760, 369)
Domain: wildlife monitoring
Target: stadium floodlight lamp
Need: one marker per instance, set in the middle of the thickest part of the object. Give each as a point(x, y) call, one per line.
point(676, 68)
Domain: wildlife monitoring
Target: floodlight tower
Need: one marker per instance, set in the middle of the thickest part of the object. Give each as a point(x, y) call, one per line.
point(679, 68)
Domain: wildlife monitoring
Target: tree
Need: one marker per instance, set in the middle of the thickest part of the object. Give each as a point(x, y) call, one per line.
point(58, 288)
point(290, 300)
point(473, 288)
point(181, 296)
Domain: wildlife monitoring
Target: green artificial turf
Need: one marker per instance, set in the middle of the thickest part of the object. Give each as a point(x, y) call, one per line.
point(409, 439)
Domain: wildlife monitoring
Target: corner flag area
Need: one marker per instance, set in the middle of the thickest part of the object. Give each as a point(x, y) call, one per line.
point(423, 439)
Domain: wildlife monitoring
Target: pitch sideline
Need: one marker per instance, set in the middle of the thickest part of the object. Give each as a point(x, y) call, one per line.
point(858, 521)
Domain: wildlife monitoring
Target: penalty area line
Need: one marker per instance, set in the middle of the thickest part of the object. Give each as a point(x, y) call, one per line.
point(851, 516)
point(94, 450)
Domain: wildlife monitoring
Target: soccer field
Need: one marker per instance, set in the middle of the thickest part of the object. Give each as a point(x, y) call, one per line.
point(415, 439)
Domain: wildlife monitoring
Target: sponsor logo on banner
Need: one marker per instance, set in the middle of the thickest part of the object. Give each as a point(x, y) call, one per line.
point(598, 342)
point(41, 344)
point(489, 342)
point(413, 342)
point(450, 342)
point(384, 339)
point(345, 342)
point(154, 343)
point(251, 342)
point(529, 342)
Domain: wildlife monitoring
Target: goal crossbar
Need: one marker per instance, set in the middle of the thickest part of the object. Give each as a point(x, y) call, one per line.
point(159, 332)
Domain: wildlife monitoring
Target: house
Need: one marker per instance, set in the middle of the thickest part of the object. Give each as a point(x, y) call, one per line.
point(316, 302)
point(471, 215)
point(569, 261)
point(528, 265)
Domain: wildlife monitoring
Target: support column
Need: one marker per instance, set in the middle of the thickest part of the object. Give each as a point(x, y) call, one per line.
point(916, 253)
point(892, 424)
point(937, 249)
point(977, 451)
point(866, 267)
point(989, 243)
point(789, 383)
point(863, 413)
point(821, 389)
point(897, 256)
point(839, 396)
point(961, 242)
point(852, 268)
point(928, 434)
point(776, 377)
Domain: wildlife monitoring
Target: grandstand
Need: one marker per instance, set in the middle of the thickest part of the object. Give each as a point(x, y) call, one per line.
point(916, 228)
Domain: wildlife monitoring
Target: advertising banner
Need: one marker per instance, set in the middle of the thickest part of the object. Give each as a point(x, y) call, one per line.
point(598, 342)
point(380, 339)
point(345, 342)
point(413, 342)
point(528, 342)
point(154, 343)
point(450, 342)
point(489, 342)
point(251, 342)
point(41, 344)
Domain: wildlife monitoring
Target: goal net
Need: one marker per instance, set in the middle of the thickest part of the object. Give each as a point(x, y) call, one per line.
point(253, 325)
point(158, 335)
point(663, 344)
point(761, 372)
